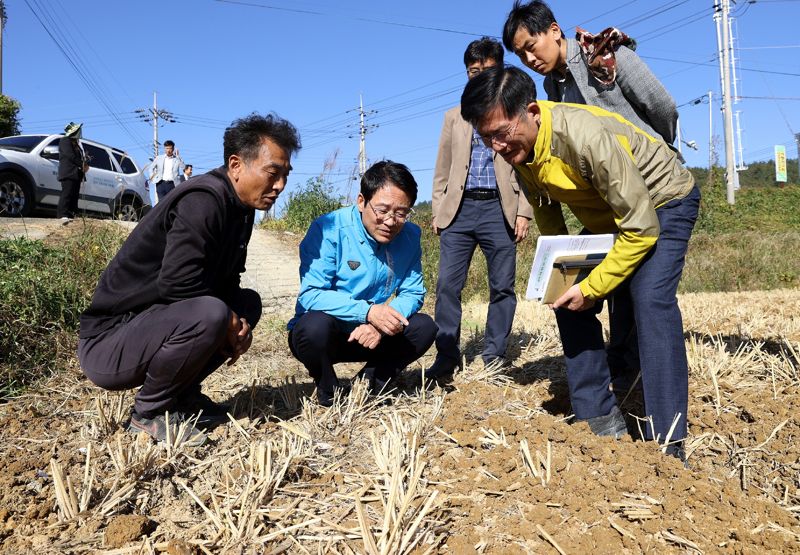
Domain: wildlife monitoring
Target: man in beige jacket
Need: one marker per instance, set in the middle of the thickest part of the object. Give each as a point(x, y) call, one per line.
point(476, 201)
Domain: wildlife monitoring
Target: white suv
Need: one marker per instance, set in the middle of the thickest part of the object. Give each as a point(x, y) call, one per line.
point(29, 178)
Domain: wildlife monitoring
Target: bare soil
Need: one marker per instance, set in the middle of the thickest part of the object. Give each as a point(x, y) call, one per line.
point(487, 464)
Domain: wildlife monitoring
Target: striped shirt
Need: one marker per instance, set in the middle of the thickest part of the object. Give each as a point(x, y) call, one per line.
point(481, 165)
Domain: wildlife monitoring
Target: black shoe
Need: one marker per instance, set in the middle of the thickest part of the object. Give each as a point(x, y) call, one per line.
point(612, 424)
point(325, 397)
point(156, 427)
point(194, 402)
point(442, 368)
point(676, 450)
point(377, 386)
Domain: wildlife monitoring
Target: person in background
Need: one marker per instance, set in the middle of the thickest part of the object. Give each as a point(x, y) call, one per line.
point(166, 170)
point(361, 287)
point(72, 170)
point(615, 178)
point(169, 309)
point(476, 201)
point(187, 173)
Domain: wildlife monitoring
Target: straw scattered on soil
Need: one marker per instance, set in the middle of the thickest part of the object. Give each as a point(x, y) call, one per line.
point(489, 464)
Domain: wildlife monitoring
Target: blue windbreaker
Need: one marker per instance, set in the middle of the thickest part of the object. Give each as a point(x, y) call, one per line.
point(344, 271)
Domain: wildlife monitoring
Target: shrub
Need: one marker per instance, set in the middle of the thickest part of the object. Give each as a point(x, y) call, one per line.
point(306, 204)
point(43, 289)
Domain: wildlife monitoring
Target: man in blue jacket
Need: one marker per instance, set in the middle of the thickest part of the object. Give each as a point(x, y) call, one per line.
point(352, 261)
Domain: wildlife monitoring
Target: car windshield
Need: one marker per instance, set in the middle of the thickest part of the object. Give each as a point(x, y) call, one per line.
point(23, 143)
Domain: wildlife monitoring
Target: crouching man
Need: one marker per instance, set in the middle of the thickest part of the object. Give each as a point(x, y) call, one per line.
point(615, 178)
point(352, 261)
point(169, 310)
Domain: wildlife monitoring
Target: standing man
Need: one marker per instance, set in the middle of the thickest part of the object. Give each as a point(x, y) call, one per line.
point(361, 286)
point(476, 201)
point(617, 178)
point(169, 309)
point(72, 169)
point(166, 170)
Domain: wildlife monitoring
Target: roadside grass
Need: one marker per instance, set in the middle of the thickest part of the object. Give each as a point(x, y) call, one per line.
point(749, 246)
point(44, 286)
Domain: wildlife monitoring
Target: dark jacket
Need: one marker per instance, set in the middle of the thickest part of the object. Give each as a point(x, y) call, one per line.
point(70, 160)
point(192, 244)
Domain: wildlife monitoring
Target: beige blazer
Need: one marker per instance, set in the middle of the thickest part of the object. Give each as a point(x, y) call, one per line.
point(450, 175)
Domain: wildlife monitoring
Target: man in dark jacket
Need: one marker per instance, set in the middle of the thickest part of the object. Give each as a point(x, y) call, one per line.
point(71, 171)
point(169, 309)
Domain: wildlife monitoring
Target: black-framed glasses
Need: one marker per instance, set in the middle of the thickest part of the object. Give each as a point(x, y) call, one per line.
point(501, 139)
point(401, 215)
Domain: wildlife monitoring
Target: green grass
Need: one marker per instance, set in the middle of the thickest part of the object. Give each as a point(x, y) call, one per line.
point(44, 286)
point(747, 246)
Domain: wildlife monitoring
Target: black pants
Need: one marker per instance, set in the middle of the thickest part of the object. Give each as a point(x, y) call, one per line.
point(317, 340)
point(68, 201)
point(163, 188)
point(168, 349)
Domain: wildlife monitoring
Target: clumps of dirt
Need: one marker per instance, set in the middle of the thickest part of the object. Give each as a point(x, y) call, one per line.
point(124, 529)
point(603, 496)
point(489, 464)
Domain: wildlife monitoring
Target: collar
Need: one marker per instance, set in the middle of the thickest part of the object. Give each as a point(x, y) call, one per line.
point(541, 149)
point(222, 173)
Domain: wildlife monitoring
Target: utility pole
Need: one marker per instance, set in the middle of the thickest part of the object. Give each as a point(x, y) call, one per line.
point(797, 142)
point(710, 132)
point(740, 166)
point(721, 14)
point(363, 129)
point(362, 143)
point(152, 115)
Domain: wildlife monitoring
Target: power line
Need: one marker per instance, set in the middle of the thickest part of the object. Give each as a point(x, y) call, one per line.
point(73, 58)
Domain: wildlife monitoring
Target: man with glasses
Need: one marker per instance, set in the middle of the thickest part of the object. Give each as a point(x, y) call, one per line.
point(476, 201)
point(361, 287)
point(616, 178)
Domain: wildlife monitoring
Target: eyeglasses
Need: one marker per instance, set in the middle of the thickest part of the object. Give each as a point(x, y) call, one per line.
point(501, 139)
point(401, 215)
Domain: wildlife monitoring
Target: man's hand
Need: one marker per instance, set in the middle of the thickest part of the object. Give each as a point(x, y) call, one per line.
point(239, 338)
point(386, 319)
point(436, 230)
point(573, 299)
point(366, 335)
point(521, 228)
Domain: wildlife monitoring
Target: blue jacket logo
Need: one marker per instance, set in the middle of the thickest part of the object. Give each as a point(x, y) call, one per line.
point(353, 264)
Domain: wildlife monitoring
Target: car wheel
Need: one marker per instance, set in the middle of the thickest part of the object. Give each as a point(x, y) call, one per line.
point(128, 209)
point(16, 196)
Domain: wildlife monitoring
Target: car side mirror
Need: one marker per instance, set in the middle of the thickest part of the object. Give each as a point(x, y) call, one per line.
point(50, 152)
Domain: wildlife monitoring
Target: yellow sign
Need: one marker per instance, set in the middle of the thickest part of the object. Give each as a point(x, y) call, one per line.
point(780, 164)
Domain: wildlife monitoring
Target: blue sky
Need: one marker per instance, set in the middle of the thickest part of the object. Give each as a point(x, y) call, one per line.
point(212, 61)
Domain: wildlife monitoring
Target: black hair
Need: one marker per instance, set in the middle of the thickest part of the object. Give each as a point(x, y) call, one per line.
point(508, 86)
point(485, 48)
point(169, 143)
point(387, 172)
point(187, 166)
point(536, 17)
point(244, 136)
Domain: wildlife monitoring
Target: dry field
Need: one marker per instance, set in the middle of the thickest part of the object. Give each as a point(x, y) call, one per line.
point(488, 465)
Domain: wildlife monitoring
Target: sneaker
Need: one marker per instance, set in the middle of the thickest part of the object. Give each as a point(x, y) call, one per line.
point(325, 397)
point(66, 220)
point(612, 424)
point(156, 428)
point(196, 403)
